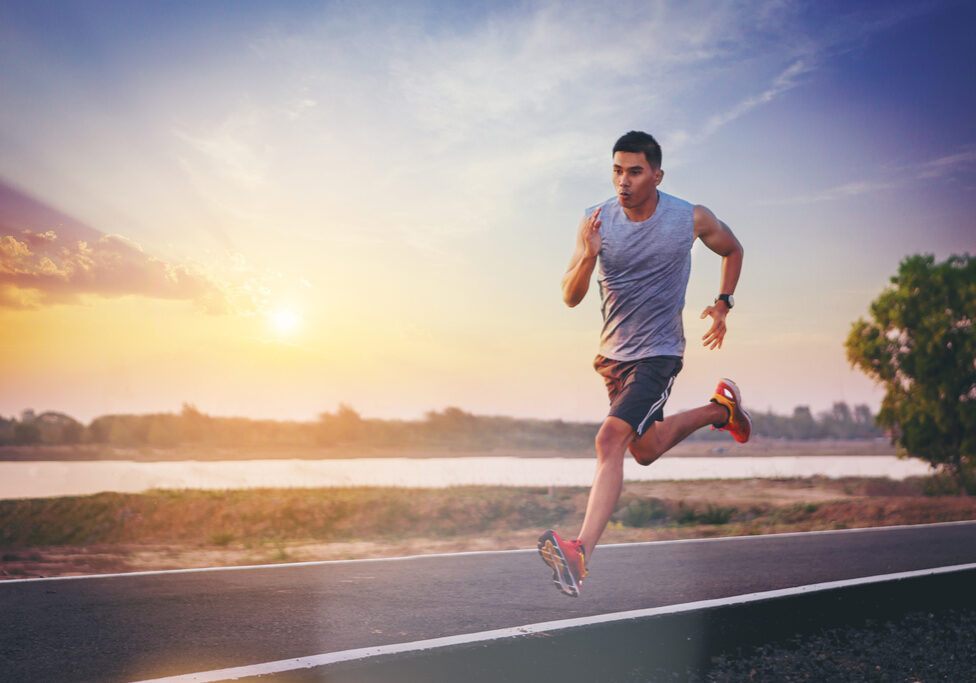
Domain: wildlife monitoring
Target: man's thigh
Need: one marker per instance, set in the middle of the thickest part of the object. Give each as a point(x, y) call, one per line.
point(639, 389)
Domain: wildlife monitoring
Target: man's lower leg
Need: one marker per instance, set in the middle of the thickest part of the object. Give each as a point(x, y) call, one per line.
point(665, 435)
point(604, 494)
point(612, 441)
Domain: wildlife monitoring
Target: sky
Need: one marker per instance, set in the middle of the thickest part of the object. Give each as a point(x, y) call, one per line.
point(271, 209)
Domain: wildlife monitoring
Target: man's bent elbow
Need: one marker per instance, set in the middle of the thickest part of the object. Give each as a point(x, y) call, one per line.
point(734, 252)
point(737, 249)
point(572, 298)
point(572, 295)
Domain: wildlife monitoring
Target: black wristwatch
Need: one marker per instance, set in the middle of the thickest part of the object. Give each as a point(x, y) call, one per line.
point(727, 298)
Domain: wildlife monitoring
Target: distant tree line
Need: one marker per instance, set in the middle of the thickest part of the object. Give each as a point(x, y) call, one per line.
point(840, 422)
point(46, 428)
point(449, 428)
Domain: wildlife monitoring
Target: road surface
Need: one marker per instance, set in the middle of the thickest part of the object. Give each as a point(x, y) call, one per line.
point(133, 627)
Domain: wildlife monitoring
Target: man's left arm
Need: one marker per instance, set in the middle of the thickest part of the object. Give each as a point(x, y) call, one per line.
point(717, 236)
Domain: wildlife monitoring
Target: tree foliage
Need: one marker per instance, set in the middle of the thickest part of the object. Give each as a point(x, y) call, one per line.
point(921, 346)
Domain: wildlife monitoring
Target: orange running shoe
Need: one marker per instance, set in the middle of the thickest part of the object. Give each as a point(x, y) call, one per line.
point(567, 560)
point(739, 424)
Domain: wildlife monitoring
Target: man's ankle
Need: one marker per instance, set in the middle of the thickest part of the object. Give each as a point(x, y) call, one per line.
point(726, 412)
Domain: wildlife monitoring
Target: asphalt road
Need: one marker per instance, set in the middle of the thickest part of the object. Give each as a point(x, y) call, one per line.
point(133, 627)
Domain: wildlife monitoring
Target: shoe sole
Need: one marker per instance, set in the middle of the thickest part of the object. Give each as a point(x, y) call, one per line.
point(738, 403)
point(553, 556)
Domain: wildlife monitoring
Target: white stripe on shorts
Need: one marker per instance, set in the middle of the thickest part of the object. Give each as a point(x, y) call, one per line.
point(654, 408)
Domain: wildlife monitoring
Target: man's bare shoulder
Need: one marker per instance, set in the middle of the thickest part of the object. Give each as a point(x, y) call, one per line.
point(705, 221)
point(703, 212)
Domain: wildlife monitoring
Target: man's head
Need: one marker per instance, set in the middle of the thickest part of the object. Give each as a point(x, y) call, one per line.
point(640, 143)
point(637, 173)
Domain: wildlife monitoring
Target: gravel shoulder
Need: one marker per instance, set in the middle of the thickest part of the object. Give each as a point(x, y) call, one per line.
point(918, 647)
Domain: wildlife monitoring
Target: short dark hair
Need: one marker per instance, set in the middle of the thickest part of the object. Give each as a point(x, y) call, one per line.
point(638, 142)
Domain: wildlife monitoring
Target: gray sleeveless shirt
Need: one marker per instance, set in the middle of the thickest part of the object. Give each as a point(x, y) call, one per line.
point(643, 275)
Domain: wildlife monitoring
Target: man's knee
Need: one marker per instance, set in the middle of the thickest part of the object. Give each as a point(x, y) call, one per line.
point(613, 438)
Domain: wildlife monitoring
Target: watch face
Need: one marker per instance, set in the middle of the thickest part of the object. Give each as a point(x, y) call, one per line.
point(731, 301)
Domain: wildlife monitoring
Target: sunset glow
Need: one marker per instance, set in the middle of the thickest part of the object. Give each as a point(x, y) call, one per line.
point(285, 322)
point(267, 210)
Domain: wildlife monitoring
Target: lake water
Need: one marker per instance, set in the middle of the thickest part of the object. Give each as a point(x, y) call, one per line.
point(42, 479)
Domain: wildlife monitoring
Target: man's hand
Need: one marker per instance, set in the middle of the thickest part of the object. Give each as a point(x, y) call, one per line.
point(713, 338)
point(590, 235)
point(576, 281)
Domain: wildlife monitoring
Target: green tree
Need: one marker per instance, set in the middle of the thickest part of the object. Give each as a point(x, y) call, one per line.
point(921, 346)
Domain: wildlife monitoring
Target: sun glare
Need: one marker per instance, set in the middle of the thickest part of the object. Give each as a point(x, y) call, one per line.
point(284, 322)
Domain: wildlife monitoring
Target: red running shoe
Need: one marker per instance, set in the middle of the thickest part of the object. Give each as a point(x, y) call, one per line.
point(739, 424)
point(567, 560)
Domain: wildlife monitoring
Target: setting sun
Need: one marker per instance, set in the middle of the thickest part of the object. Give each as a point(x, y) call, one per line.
point(284, 322)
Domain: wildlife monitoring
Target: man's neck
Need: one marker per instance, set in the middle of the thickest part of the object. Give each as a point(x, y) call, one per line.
point(638, 214)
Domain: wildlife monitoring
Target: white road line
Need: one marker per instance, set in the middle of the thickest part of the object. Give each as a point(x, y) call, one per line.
point(268, 668)
point(603, 548)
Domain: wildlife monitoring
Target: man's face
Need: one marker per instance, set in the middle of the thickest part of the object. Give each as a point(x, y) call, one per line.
point(634, 179)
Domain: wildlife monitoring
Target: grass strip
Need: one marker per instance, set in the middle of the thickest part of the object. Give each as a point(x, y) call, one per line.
point(328, 515)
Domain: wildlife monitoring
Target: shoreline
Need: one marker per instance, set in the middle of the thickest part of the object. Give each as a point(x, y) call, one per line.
point(758, 447)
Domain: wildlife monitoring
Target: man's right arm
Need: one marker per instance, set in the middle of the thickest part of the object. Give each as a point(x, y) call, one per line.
point(576, 281)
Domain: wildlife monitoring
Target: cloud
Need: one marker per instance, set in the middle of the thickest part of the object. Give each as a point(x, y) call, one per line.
point(963, 161)
point(41, 269)
point(787, 80)
point(852, 189)
point(538, 70)
point(949, 165)
point(48, 257)
point(467, 107)
point(230, 151)
point(797, 37)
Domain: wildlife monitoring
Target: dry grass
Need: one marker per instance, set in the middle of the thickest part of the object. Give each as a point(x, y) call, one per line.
point(182, 529)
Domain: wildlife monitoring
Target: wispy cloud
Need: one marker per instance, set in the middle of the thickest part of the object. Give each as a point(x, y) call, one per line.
point(794, 36)
point(847, 190)
point(962, 161)
point(787, 80)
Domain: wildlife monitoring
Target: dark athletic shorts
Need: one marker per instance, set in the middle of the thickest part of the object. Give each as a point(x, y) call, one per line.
point(638, 388)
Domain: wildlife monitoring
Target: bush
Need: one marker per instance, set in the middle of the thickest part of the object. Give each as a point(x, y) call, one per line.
point(713, 514)
point(645, 512)
point(717, 514)
point(221, 538)
point(945, 484)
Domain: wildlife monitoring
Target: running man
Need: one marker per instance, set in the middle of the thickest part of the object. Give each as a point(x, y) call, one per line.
point(642, 240)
